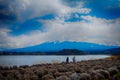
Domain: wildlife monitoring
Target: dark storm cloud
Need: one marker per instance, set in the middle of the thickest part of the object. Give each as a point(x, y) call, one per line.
point(7, 12)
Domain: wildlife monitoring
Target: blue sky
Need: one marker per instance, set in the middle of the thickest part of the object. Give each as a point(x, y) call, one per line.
point(30, 22)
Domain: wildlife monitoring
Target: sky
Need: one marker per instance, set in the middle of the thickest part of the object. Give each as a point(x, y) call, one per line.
point(26, 23)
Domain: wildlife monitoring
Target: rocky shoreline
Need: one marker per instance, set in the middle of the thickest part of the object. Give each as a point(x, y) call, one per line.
point(102, 69)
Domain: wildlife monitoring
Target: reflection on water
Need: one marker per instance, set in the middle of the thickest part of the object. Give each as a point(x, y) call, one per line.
point(30, 59)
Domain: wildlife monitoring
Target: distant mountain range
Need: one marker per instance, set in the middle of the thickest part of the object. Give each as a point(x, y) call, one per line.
point(58, 46)
point(112, 51)
point(64, 48)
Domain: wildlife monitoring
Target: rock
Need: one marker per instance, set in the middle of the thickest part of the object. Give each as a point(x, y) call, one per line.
point(62, 78)
point(85, 76)
point(63, 69)
point(113, 71)
point(14, 67)
point(96, 76)
point(24, 66)
point(40, 73)
point(48, 77)
point(75, 76)
point(34, 77)
point(57, 74)
point(118, 67)
point(116, 77)
point(105, 73)
point(1, 77)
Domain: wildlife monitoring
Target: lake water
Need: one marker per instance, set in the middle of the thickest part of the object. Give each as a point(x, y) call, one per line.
point(32, 59)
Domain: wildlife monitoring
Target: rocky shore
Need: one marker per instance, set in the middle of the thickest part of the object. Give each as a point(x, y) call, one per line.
point(102, 69)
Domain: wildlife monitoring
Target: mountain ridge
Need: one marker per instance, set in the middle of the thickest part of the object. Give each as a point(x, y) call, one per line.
point(57, 46)
point(114, 51)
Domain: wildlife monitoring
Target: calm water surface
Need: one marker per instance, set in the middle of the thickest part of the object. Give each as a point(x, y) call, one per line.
point(30, 59)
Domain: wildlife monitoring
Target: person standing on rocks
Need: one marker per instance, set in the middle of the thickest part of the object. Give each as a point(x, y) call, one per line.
point(67, 60)
point(74, 60)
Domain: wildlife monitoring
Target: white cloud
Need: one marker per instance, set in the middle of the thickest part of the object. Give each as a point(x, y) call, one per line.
point(96, 30)
point(27, 9)
point(89, 29)
point(4, 37)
